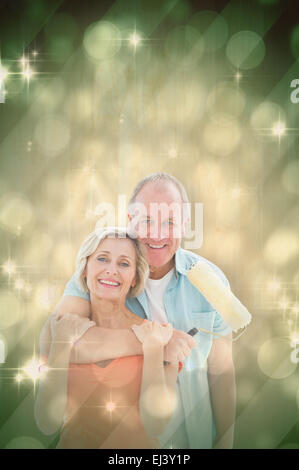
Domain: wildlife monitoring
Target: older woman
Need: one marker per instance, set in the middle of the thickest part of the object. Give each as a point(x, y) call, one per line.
point(121, 403)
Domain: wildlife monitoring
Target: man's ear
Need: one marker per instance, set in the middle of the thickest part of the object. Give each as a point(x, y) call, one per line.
point(129, 217)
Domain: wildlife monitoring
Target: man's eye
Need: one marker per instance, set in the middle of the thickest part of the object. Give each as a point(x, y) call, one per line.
point(169, 222)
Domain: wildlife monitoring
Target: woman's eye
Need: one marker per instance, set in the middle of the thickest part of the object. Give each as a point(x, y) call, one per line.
point(101, 259)
point(124, 264)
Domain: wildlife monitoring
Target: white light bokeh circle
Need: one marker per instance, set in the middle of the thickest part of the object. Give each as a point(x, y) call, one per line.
point(245, 50)
point(274, 358)
point(16, 213)
point(184, 46)
point(290, 177)
point(161, 408)
point(213, 27)
point(11, 311)
point(226, 100)
point(24, 442)
point(281, 246)
point(52, 134)
point(46, 296)
point(265, 115)
point(102, 40)
point(222, 137)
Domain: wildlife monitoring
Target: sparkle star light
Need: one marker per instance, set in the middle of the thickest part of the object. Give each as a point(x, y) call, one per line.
point(284, 303)
point(110, 406)
point(134, 39)
point(238, 77)
point(19, 378)
point(279, 129)
point(23, 61)
point(294, 339)
point(3, 76)
point(28, 73)
point(33, 370)
point(3, 73)
point(273, 285)
point(19, 284)
point(9, 267)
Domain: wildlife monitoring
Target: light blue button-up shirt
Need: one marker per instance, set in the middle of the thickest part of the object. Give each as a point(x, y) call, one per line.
point(186, 308)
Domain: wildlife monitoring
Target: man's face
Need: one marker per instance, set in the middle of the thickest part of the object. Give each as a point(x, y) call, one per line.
point(158, 222)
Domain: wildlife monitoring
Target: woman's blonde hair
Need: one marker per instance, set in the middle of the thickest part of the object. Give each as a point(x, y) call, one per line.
point(90, 245)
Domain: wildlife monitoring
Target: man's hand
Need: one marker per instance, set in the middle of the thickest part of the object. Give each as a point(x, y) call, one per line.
point(69, 327)
point(179, 347)
point(67, 304)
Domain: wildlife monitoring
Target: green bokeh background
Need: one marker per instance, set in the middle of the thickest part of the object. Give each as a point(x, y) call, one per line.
point(198, 97)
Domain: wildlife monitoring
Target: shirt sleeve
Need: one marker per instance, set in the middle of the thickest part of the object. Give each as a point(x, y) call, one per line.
point(72, 288)
point(220, 326)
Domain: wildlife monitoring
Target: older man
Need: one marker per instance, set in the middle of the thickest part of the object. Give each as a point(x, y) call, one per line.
point(205, 409)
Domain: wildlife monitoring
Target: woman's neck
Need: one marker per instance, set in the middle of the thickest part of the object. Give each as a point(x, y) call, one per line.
point(108, 313)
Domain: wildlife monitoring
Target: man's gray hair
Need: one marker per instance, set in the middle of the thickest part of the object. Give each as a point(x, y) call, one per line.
point(162, 177)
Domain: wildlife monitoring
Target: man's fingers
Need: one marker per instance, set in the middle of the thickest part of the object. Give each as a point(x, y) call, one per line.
point(186, 350)
point(191, 341)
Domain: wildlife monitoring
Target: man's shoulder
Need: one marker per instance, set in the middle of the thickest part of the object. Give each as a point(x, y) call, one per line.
point(186, 259)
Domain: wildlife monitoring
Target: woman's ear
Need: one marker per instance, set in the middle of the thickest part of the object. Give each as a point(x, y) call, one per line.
point(133, 284)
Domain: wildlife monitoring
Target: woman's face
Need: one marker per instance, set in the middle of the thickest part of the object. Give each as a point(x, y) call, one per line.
point(110, 271)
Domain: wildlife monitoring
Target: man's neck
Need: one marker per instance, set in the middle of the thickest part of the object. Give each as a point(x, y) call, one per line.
point(161, 271)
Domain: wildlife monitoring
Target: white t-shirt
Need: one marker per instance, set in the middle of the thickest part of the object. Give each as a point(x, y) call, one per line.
point(155, 291)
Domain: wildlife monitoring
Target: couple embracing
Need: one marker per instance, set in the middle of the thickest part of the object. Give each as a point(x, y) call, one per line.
point(121, 370)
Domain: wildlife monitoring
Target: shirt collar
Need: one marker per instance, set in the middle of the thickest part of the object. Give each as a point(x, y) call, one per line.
point(181, 266)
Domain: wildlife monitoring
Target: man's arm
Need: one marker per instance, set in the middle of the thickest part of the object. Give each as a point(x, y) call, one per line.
point(221, 376)
point(100, 344)
point(97, 344)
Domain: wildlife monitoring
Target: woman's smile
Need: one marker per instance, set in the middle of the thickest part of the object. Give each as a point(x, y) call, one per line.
point(110, 283)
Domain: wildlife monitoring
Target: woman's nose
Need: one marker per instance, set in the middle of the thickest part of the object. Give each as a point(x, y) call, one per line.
point(111, 269)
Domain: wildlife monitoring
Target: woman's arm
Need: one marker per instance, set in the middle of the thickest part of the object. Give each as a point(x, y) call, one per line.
point(157, 398)
point(51, 399)
point(50, 404)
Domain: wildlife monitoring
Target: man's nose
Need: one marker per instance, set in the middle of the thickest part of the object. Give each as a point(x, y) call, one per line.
point(158, 231)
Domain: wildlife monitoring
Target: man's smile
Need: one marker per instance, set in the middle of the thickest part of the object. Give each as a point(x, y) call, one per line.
point(155, 247)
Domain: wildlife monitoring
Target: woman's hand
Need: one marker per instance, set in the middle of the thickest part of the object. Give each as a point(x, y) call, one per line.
point(69, 328)
point(153, 333)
